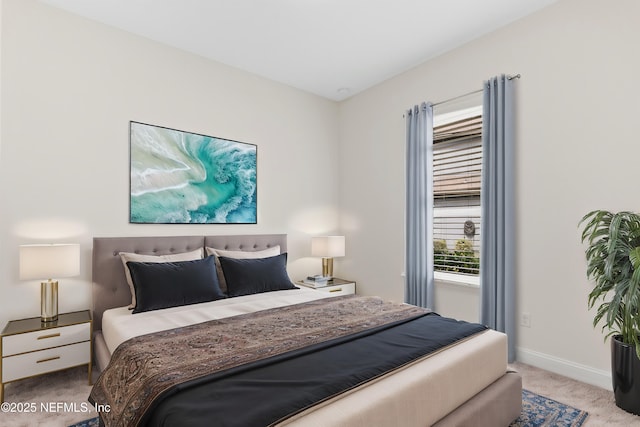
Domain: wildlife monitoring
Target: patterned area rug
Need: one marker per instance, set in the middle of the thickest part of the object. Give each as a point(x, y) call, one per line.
point(537, 411)
point(540, 411)
point(93, 422)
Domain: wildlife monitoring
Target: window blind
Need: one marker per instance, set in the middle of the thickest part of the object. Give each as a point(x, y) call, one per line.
point(457, 163)
point(456, 180)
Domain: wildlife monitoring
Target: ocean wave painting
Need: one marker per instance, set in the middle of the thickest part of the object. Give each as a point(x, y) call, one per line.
point(186, 178)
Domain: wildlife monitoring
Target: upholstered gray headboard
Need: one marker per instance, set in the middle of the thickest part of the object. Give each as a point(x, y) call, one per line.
point(110, 287)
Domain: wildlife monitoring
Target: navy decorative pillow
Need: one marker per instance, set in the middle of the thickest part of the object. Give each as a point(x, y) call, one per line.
point(172, 284)
point(253, 276)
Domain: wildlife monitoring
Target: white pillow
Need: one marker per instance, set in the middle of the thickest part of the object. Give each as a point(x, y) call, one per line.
point(265, 253)
point(129, 256)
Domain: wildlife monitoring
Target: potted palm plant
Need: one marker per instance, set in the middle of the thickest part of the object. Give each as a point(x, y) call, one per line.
point(613, 263)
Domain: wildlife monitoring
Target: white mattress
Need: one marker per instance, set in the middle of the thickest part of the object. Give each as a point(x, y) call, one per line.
point(119, 324)
point(419, 394)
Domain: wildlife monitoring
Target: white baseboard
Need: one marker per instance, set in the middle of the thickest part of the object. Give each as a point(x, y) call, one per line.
point(573, 370)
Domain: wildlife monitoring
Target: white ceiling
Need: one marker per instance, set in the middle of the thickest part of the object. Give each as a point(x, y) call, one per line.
point(332, 48)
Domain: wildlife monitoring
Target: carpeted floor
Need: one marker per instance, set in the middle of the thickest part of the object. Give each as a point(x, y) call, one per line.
point(598, 402)
point(68, 387)
point(71, 387)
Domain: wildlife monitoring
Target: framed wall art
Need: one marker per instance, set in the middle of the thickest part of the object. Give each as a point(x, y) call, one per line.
point(180, 177)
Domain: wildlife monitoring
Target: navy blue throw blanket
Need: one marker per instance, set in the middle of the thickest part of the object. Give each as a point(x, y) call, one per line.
point(268, 391)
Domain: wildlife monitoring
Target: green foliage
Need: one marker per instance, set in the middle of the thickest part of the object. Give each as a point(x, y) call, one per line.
point(462, 259)
point(440, 246)
point(464, 245)
point(613, 263)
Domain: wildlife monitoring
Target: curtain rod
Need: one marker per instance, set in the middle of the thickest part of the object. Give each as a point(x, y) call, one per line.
point(457, 97)
point(517, 76)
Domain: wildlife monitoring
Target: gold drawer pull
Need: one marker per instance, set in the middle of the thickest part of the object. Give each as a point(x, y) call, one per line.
point(48, 360)
point(335, 290)
point(49, 336)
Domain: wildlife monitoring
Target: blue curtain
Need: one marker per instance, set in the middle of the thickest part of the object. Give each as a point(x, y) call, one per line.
point(497, 261)
point(419, 207)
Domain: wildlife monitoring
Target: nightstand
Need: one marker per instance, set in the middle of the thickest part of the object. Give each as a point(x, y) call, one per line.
point(335, 287)
point(30, 347)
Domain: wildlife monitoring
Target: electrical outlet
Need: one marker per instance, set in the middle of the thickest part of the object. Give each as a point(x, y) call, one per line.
point(525, 320)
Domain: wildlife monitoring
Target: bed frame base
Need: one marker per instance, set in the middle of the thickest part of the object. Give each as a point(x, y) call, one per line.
point(497, 405)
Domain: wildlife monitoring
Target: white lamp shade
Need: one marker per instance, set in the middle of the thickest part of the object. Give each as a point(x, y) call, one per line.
point(327, 246)
point(49, 261)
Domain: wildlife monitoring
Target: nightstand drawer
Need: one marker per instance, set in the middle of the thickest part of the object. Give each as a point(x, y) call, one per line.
point(40, 362)
point(335, 290)
point(46, 338)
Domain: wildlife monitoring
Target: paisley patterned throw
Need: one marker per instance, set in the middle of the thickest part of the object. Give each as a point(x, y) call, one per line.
point(143, 368)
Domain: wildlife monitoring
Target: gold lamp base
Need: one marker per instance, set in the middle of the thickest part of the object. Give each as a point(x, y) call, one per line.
point(49, 301)
point(327, 267)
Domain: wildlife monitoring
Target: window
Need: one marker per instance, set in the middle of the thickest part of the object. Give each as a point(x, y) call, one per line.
point(457, 173)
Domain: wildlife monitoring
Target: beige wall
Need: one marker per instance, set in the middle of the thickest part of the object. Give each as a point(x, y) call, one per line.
point(576, 151)
point(70, 87)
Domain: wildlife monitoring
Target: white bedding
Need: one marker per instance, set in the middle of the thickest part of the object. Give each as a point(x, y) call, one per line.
point(119, 324)
point(417, 395)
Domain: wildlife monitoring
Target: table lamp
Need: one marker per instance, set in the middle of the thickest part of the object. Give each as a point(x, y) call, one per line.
point(327, 247)
point(46, 261)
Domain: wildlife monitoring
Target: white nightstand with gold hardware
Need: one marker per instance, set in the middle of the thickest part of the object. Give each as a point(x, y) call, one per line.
point(30, 347)
point(335, 287)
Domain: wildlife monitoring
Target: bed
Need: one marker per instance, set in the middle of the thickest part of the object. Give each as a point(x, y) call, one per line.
point(466, 383)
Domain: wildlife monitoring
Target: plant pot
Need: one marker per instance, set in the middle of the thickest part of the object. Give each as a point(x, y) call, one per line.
point(625, 373)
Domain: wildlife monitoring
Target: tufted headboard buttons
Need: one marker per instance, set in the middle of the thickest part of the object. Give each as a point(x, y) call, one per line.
point(110, 287)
